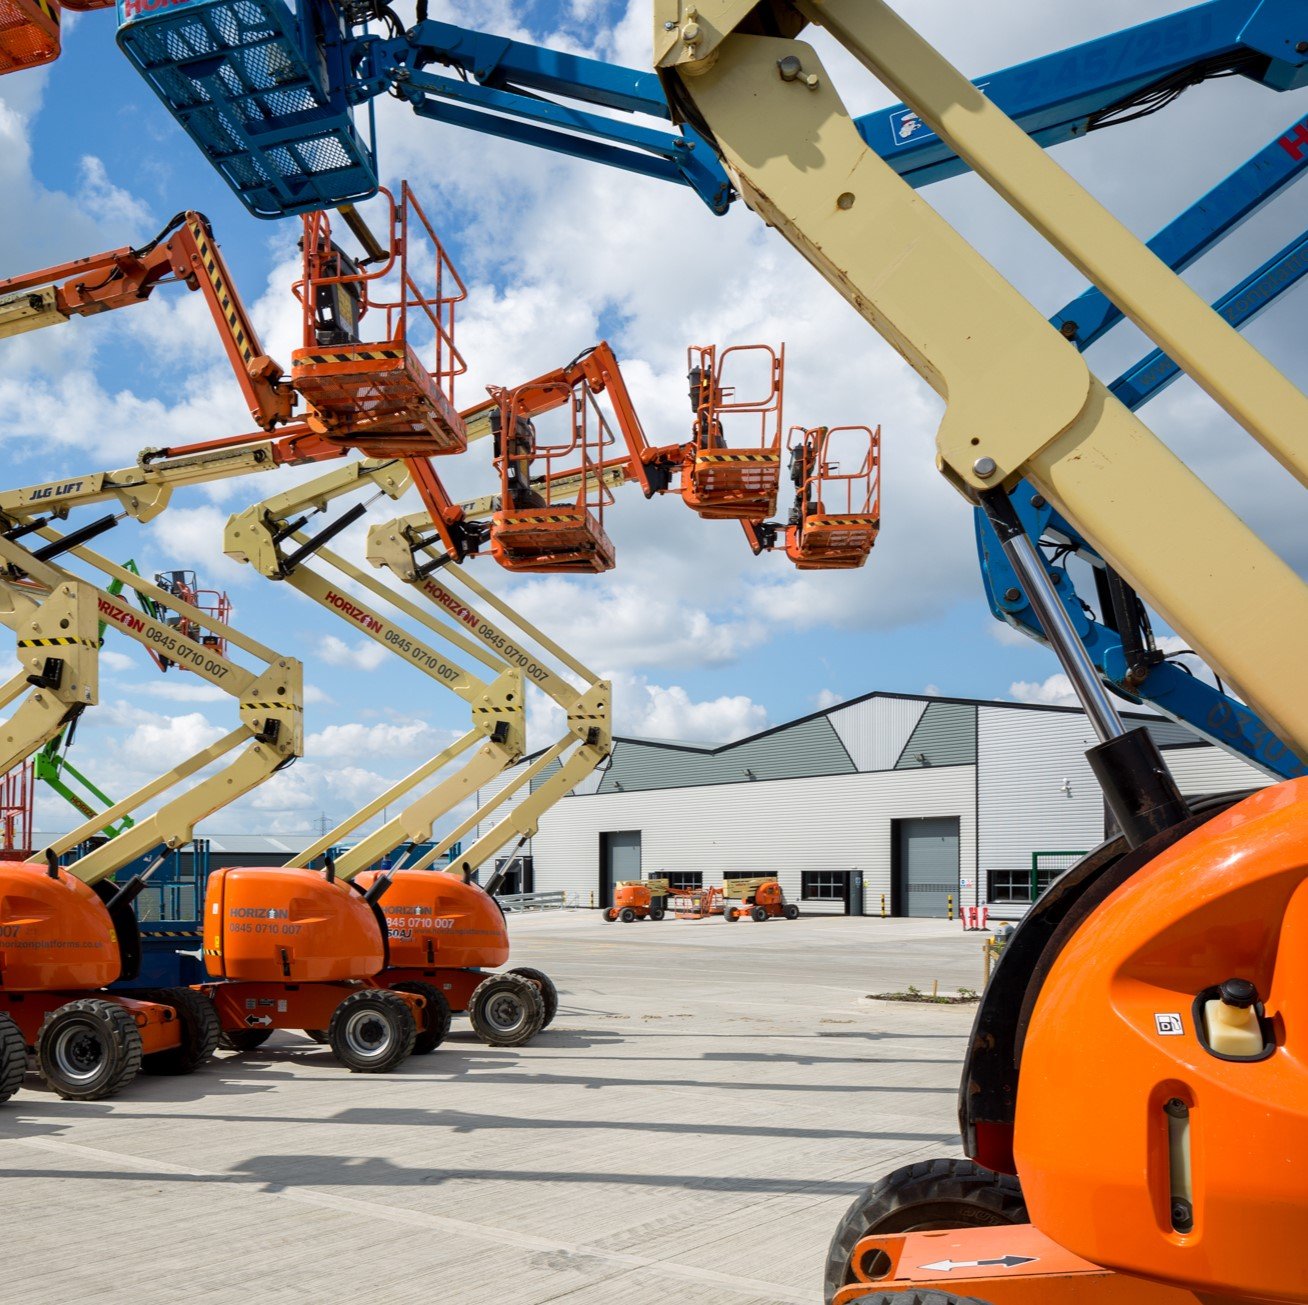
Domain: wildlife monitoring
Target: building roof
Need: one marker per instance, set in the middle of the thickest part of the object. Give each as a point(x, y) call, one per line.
point(876, 731)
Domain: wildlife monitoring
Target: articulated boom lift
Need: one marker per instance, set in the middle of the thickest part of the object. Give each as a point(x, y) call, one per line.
point(836, 516)
point(444, 931)
point(70, 931)
point(1174, 953)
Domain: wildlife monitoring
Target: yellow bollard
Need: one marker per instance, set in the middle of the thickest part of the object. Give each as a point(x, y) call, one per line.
point(883, 906)
point(592, 897)
point(951, 906)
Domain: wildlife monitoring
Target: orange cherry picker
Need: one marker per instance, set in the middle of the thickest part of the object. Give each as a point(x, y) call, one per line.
point(69, 931)
point(1134, 1102)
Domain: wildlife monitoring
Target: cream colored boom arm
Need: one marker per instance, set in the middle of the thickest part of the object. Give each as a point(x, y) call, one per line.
point(270, 711)
point(58, 660)
point(256, 536)
point(1021, 401)
point(399, 546)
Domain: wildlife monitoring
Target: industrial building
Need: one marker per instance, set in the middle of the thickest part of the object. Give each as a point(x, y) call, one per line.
point(889, 803)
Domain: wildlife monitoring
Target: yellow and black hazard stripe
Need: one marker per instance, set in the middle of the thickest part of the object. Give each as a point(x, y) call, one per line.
point(63, 641)
point(49, 9)
point(168, 933)
point(715, 455)
point(354, 355)
point(226, 299)
point(272, 706)
point(825, 520)
point(539, 521)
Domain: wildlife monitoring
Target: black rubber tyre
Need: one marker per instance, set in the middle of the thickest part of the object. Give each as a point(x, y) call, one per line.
point(758, 914)
point(549, 994)
point(657, 913)
point(626, 915)
point(506, 1010)
point(317, 1035)
point(88, 1050)
point(435, 1016)
point(13, 1058)
point(916, 1298)
point(933, 1194)
point(608, 916)
point(243, 1039)
point(729, 914)
point(200, 1032)
point(372, 1031)
point(790, 911)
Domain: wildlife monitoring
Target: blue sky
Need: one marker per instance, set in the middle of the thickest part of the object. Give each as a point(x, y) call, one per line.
point(703, 641)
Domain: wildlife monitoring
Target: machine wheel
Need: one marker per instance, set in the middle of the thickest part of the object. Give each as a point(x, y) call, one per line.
point(656, 912)
point(435, 1016)
point(13, 1058)
point(790, 911)
point(243, 1039)
point(759, 914)
point(372, 1031)
point(200, 1032)
point(549, 994)
point(506, 1010)
point(88, 1049)
point(729, 914)
point(931, 1195)
point(916, 1298)
point(626, 915)
point(608, 916)
point(317, 1035)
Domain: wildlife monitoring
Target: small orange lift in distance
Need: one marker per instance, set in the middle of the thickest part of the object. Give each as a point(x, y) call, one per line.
point(696, 903)
point(836, 516)
point(756, 899)
point(638, 899)
point(737, 482)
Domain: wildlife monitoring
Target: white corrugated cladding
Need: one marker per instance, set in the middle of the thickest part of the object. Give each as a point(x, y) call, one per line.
point(875, 730)
point(1211, 770)
point(785, 826)
point(1023, 758)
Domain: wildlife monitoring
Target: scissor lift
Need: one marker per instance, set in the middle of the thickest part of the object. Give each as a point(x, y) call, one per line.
point(837, 515)
point(733, 482)
point(373, 391)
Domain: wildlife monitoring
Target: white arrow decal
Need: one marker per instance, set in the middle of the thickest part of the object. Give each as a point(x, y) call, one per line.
point(1004, 1261)
point(258, 1021)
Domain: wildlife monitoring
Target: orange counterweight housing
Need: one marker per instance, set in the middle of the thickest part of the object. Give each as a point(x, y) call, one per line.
point(54, 933)
point(435, 920)
point(266, 924)
point(1138, 1148)
point(29, 34)
point(368, 386)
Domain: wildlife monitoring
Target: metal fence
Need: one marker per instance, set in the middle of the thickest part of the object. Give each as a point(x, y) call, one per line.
point(533, 901)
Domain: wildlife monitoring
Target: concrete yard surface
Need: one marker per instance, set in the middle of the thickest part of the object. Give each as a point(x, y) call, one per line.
point(690, 1130)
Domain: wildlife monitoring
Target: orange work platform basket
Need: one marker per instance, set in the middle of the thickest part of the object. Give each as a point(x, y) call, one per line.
point(837, 515)
point(372, 390)
point(734, 477)
point(554, 521)
point(29, 34)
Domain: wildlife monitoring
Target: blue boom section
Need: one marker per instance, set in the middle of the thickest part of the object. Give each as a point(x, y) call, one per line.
point(268, 91)
point(1168, 686)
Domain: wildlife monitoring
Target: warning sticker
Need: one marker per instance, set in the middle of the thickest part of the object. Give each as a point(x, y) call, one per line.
point(1169, 1026)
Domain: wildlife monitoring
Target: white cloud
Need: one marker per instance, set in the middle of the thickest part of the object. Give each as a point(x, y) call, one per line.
point(658, 711)
point(1056, 691)
point(383, 739)
point(154, 746)
point(362, 656)
point(827, 698)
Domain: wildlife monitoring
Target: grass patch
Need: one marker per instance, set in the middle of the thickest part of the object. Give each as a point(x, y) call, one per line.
point(964, 997)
